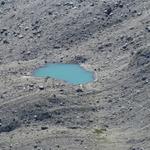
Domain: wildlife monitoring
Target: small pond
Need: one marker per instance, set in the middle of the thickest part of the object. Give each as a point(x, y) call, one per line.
point(71, 73)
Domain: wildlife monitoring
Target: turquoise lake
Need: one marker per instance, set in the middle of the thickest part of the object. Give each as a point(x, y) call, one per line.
point(71, 73)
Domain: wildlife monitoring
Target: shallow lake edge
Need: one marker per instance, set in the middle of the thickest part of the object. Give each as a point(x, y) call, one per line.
point(86, 67)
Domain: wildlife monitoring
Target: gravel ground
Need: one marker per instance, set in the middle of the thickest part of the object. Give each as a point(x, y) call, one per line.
point(109, 37)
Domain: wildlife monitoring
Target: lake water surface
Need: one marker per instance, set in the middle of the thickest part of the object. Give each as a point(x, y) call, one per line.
point(71, 73)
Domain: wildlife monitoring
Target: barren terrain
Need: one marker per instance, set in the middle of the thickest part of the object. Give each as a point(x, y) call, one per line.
point(110, 38)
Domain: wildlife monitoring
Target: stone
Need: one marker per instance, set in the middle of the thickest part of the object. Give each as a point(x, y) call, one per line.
point(44, 128)
point(2, 3)
point(3, 30)
point(35, 116)
point(20, 36)
point(79, 90)
point(28, 52)
point(26, 28)
point(31, 85)
point(118, 4)
point(108, 11)
point(38, 35)
point(31, 88)
point(110, 101)
point(148, 28)
point(41, 87)
point(121, 5)
point(79, 59)
point(92, 4)
point(50, 13)
point(73, 127)
point(136, 148)
point(139, 13)
point(5, 42)
point(10, 145)
point(35, 146)
point(146, 81)
point(125, 46)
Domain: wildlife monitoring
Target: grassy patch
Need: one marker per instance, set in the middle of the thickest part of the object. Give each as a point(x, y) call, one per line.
point(99, 131)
